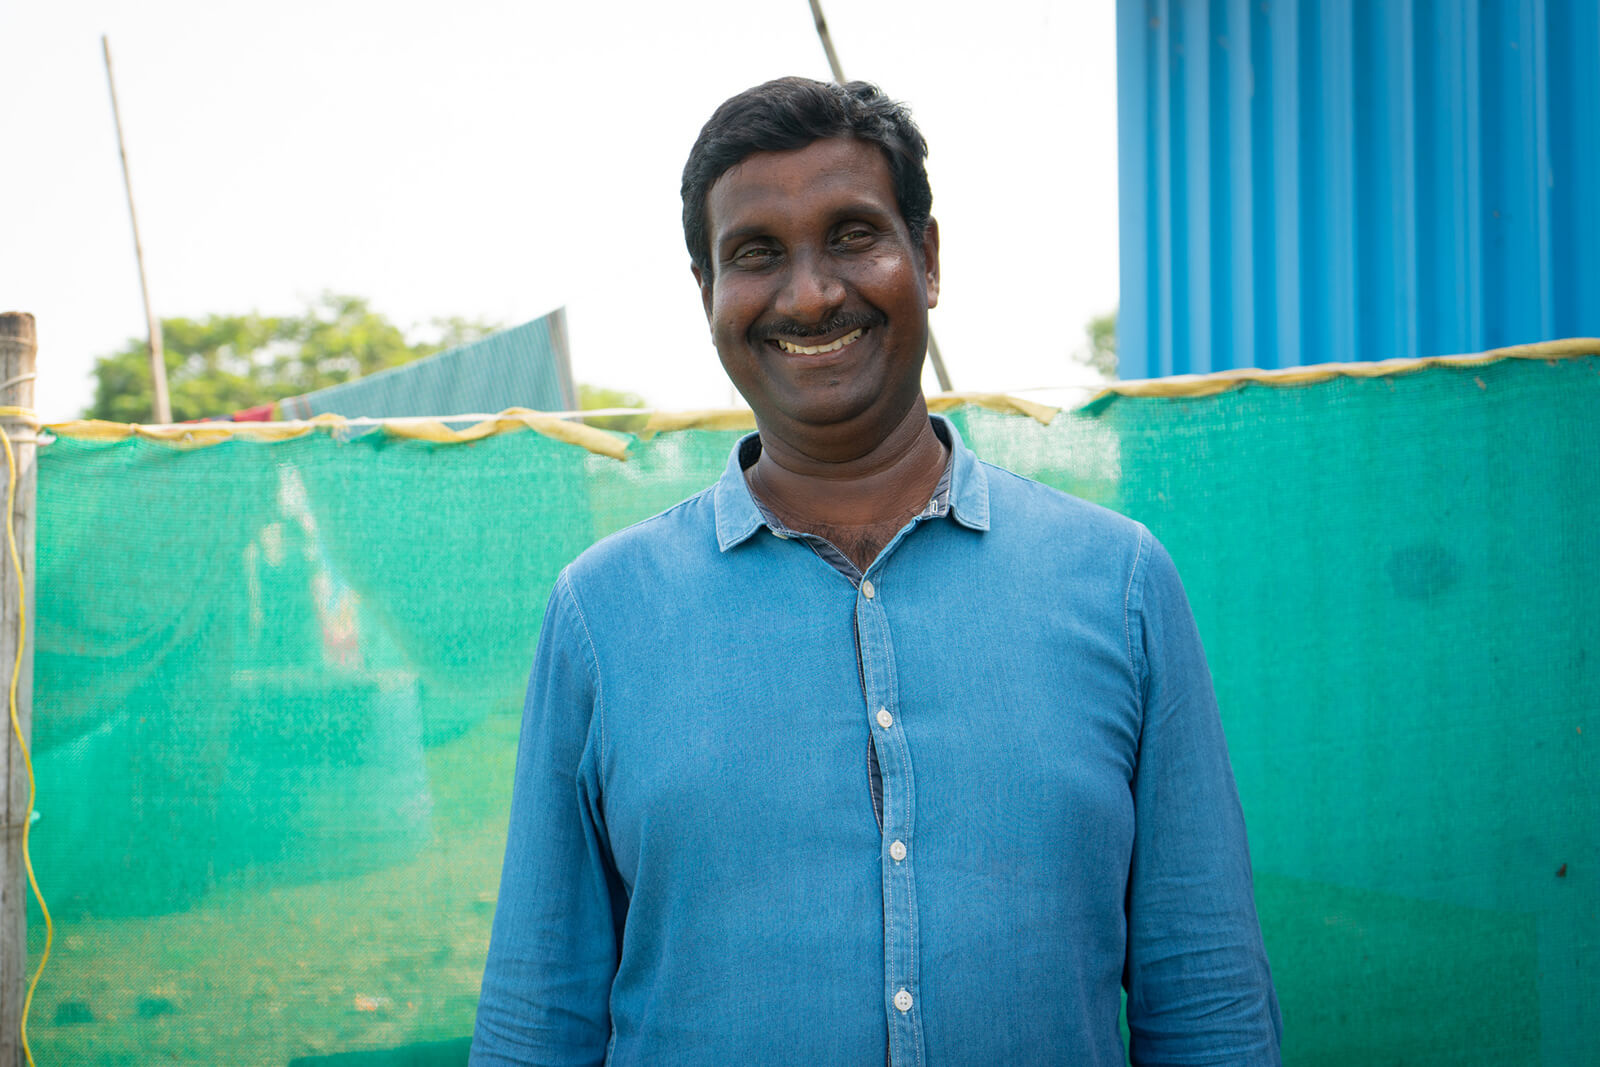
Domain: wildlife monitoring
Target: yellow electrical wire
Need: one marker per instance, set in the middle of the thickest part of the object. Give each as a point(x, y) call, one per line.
point(16, 723)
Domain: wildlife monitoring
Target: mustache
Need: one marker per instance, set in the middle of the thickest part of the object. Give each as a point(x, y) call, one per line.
point(788, 328)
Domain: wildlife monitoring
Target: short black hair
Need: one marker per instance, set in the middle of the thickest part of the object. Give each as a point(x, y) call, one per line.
point(789, 113)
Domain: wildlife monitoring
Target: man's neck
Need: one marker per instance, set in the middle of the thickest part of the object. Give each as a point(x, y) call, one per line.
point(863, 501)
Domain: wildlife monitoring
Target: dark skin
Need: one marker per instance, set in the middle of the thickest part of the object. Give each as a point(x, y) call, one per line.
point(818, 304)
point(859, 507)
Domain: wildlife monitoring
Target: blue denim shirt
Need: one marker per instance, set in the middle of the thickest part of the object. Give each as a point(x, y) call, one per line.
point(694, 873)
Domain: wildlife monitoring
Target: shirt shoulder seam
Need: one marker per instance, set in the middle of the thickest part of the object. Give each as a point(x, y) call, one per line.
point(1133, 606)
point(591, 659)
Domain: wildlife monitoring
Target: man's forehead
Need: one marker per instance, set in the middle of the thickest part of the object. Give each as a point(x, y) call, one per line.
point(835, 168)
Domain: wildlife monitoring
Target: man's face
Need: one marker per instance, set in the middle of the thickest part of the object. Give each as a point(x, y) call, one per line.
point(818, 295)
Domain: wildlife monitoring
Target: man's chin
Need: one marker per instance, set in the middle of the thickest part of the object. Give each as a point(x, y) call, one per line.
point(845, 410)
point(812, 412)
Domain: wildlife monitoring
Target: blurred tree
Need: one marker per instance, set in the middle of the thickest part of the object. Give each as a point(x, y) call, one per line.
point(222, 363)
point(596, 397)
point(1101, 334)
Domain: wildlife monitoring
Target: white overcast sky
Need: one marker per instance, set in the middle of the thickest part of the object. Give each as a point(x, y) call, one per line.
point(495, 160)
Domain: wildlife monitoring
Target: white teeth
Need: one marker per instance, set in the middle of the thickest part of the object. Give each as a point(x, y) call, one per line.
point(817, 350)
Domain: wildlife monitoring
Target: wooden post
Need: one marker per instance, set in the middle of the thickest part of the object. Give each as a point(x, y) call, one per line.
point(18, 352)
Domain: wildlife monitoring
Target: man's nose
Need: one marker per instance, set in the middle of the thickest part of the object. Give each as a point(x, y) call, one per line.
point(812, 291)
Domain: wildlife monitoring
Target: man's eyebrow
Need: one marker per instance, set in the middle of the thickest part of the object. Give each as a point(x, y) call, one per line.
point(740, 234)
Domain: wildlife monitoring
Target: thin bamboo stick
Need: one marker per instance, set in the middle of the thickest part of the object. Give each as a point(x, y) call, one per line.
point(158, 362)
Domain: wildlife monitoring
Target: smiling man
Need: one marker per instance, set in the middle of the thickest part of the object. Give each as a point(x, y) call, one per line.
point(871, 750)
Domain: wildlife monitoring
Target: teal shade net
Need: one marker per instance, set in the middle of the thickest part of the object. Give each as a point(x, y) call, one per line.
point(278, 685)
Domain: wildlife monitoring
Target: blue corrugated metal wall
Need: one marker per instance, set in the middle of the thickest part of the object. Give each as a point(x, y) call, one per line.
point(1333, 180)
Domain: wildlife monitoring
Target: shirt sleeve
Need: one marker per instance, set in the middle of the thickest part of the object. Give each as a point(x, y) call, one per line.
point(1199, 990)
point(554, 945)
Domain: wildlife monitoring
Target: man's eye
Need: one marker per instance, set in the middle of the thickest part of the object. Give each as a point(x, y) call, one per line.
point(854, 236)
point(752, 255)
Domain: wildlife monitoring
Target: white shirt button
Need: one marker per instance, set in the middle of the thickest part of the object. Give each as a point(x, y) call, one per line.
point(902, 1000)
point(898, 851)
point(867, 590)
point(885, 720)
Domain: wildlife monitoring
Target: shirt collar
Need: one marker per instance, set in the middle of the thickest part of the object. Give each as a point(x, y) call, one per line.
point(738, 517)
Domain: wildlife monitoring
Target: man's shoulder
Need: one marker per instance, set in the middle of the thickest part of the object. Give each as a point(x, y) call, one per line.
point(1045, 509)
point(668, 535)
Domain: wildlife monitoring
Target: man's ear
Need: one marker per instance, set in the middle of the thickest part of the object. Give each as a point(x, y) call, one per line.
point(703, 280)
point(930, 260)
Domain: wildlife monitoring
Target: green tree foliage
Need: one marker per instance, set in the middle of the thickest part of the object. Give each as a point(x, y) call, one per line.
point(596, 398)
point(222, 363)
point(1101, 334)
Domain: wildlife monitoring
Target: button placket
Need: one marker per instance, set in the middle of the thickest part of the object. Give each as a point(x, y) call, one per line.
point(899, 895)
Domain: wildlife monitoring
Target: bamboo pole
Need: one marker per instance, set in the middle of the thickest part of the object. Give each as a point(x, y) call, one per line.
point(827, 41)
point(18, 352)
point(826, 38)
point(158, 361)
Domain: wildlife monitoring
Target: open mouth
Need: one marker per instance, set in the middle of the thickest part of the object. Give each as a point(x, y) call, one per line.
point(817, 350)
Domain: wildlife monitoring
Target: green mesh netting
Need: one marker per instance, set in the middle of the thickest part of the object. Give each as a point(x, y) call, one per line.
point(278, 685)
